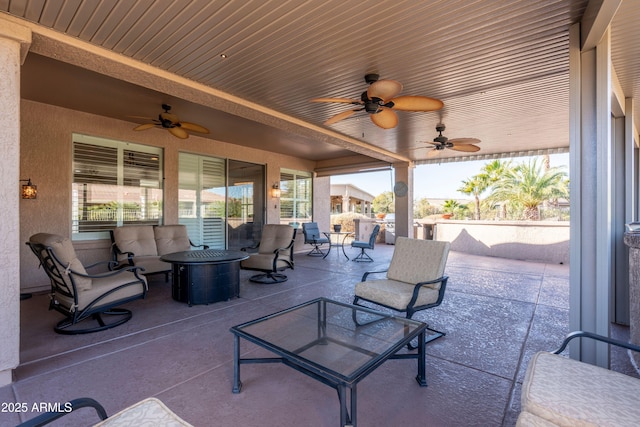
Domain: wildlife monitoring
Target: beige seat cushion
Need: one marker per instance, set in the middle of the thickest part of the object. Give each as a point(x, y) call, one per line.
point(395, 294)
point(275, 236)
point(572, 393)
point(138, 239)
point(264, 262)
point(413, 261)
point(148, 412)
point(526, 419)
point(416, 260)
point(103, 285)
point(171, 238)
point(151, 264)
point(66, 254)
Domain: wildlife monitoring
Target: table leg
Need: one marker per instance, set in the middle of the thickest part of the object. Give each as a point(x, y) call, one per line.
point(237, 384)
point(345, 419)
point(421, 377)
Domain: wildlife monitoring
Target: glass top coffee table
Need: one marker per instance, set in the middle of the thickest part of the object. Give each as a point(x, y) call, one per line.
point(335, 343)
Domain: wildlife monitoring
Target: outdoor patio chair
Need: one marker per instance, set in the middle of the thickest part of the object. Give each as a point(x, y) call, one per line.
point(275, 253)
point(148, 412)
point(561, 391)
point(414, 281)
point(312, 236)
point(81, 296)
point(366, 244)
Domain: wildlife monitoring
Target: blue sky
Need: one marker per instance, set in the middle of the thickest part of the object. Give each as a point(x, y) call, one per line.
point(438, 181)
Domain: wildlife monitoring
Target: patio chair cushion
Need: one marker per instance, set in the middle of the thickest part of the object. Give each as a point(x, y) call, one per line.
point(405, 267)
point(148, 412)
point(138, 239)
point(564, 391)
point(66, 254)
point(172, 238)
point(395, 294)
point(102, 286)
point(275, 236)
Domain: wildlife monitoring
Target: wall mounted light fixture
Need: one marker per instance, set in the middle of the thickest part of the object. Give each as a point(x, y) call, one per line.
point(29, 191)
point(275, 191)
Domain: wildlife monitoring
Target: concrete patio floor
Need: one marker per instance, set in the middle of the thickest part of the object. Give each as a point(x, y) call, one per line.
point(497, 313)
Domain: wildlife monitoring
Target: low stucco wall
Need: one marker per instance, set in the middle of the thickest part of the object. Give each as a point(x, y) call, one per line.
point(541, 241)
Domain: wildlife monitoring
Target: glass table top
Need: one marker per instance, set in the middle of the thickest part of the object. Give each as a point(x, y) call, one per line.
point(323, 336)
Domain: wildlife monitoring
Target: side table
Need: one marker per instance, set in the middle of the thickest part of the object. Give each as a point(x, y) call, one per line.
point(338, 242)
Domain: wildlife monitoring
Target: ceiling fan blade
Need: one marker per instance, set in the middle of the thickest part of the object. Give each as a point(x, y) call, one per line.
point(194, 127)
point(341, 100)
point(179, 132)
point(469, 148)
point(416, 103)
point(384, 89)
point(386, 119)
point(433, 153)
point(144, 126)
point(341, 116)
point(463, 141)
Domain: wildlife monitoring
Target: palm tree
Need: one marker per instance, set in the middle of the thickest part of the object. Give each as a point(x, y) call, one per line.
point(529, 184)
point(478, 184)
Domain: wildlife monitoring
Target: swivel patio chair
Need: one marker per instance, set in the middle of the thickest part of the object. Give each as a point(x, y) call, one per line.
point(366, 244)
point(275, 253)
point(414, 281)
point(312, 236)
point(81, 296)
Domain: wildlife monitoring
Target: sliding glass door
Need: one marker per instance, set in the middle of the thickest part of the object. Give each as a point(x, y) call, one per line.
point(222, 202)
point(246, 203)
point(202, 199)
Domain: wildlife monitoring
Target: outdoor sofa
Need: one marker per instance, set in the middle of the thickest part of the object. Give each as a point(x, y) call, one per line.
point(143, 245)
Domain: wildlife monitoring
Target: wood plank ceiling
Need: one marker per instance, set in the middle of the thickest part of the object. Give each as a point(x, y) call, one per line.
point(500, 67)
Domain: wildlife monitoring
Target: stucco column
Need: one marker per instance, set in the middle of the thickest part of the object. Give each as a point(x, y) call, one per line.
point(403, 191)
point(14, 43)
point(345, 204)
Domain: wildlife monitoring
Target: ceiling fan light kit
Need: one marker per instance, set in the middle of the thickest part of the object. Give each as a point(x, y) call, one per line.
point(379, 101)
point(172, 123)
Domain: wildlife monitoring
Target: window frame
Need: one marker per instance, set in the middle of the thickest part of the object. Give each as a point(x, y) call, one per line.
point(121, 189)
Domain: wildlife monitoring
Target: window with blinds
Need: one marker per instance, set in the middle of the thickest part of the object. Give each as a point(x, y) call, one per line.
point(295, 197)
point(202, 199)
point(114, 183)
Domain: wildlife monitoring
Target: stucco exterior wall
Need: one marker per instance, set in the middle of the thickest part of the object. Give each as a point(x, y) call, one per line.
point(45, 156)
point(541, 241)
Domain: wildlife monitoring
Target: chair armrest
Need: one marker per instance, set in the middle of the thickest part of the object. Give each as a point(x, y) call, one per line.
point(255, 246)
point(285, 248)
point(111, 265)
point(581, 334)
point(75, 404)
point(115, 250)
point(132, 268)
point(364, 276)
point(203, 246)
point(416, 290)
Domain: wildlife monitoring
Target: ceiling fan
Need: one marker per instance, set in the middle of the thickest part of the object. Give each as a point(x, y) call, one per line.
point(380, 99)
point(441, 143)
point(172, 123)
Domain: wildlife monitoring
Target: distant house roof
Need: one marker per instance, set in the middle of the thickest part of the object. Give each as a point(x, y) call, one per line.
point(352, 191)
